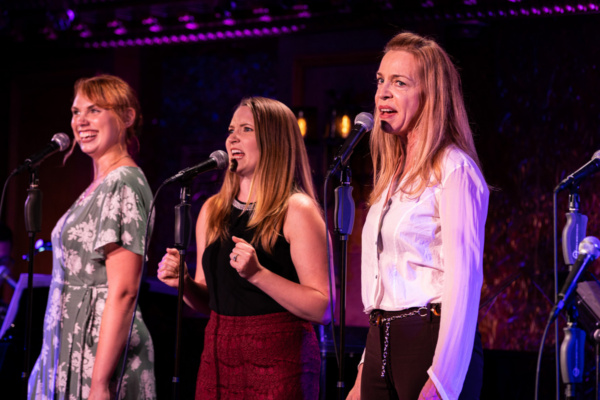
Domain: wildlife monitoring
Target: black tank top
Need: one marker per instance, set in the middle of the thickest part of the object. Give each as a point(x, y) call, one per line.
point(229, 293)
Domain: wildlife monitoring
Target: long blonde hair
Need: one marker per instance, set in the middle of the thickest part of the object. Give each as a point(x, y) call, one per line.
point(442, 122)
point(282, 170)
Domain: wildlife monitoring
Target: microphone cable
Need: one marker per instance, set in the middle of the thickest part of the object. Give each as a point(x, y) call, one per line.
point(4, 193)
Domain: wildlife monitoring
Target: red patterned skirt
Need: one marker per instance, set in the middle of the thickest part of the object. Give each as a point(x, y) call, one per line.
point(273, 356)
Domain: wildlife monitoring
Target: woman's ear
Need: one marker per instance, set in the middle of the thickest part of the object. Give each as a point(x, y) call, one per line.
point(129, 117)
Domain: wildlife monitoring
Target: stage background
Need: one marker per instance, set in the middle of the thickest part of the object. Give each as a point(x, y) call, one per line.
point(530, 84)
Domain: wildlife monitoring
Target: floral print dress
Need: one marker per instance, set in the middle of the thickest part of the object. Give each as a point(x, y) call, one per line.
point(115, 212)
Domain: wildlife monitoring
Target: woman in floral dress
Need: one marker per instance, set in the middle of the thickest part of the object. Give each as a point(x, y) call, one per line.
point(98, 245)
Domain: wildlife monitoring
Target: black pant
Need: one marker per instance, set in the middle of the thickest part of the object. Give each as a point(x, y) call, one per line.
point(411, 348)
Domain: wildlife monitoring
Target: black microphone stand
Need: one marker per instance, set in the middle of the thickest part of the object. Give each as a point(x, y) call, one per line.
point(344, 223)
point(183, 223)
point(572, 346)
point(33, 225)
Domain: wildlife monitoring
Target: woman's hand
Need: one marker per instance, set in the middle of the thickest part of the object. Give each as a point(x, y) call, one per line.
point(429, 391)
point(354, 393)
point(243, 258)
point(168, 268)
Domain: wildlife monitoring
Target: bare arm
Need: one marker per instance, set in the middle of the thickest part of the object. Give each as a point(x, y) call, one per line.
point(123, 269)
point(195, 292)
point(304, 229)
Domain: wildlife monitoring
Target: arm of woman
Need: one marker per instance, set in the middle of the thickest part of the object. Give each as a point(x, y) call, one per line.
point(195, 292)
point(463, 211)
point(123, 269)
point(304, 229)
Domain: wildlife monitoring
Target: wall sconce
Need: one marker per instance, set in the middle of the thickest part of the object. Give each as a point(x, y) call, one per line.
point(307, 120)
point(302, 123)
point(345, 126)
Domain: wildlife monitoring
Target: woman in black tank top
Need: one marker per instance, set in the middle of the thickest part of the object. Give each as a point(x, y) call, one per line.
point(263, 279)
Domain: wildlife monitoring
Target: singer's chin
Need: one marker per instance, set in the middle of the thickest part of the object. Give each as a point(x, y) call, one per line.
point(386, 127)
point(233, 165)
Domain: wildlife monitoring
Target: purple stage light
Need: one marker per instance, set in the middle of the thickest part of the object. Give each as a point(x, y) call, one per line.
point(120, 30)
point(238, 33)
point(256, 32)
point(265, 18)
point(210, 36)
point(229, 22)
point(229, 34)
point(247, 32)
point(149, 21)
point(192, 26)
point(155, 28)
point(201, 36)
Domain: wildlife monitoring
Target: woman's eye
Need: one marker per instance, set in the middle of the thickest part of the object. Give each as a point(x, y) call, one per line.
point(247, 129)
point(379, 81)
point(399, 83)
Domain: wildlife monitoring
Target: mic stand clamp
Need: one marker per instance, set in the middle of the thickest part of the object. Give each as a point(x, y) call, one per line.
point(574, 229)
point(183, 223)
point(572, 356)
point(344, 223)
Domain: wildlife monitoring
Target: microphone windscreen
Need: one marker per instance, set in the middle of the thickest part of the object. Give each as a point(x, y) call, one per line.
point(62, 139)
point(365, 119)
point(221, 158)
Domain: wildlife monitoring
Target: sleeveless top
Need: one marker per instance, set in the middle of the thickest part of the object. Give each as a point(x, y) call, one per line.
point(229, 293)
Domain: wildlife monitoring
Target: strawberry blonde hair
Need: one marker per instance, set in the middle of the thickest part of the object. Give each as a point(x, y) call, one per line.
point(112, 93)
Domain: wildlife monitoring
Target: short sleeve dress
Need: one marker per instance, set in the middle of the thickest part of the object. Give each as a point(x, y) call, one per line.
point(115, 212)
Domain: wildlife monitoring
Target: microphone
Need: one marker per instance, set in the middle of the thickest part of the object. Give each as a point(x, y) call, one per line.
point(217, 160)
point(363, 123)
point(576, 177)
point(59, 142)
point(589, 250)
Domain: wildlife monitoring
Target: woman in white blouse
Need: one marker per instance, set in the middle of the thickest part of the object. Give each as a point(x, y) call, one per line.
point(422, 242)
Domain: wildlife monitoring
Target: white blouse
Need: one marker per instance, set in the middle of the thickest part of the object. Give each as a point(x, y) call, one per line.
point(429, 249)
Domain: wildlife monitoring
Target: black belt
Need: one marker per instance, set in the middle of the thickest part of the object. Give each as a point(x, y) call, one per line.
point(378, 317)
point(384, 318)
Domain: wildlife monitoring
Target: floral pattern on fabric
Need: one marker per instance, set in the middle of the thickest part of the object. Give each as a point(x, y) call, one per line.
point(116, 212)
